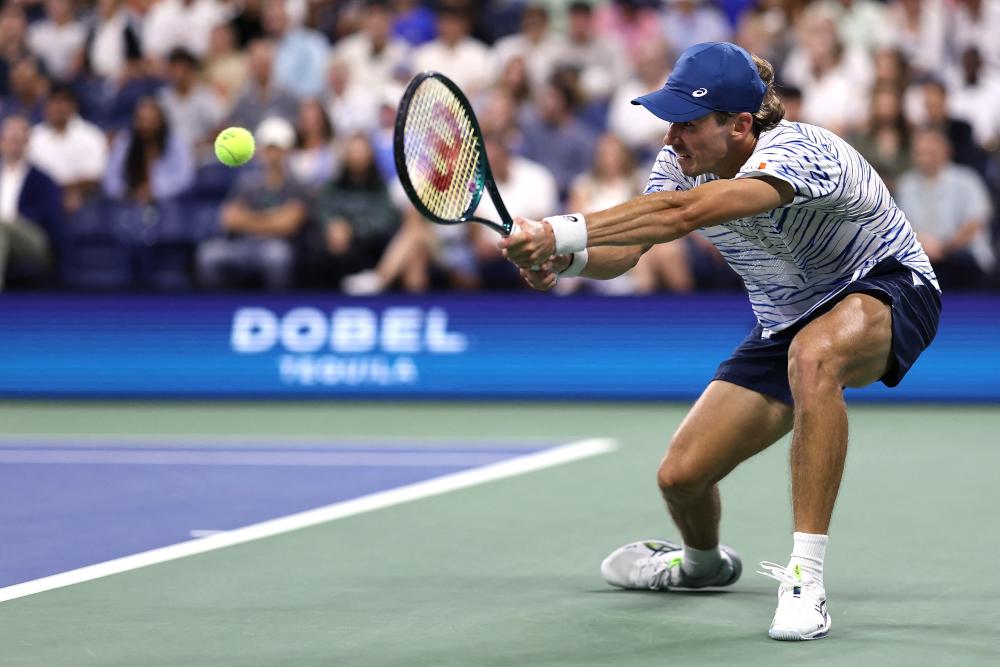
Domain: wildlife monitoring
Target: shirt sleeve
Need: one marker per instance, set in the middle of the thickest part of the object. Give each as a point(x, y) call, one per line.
point(813, 171)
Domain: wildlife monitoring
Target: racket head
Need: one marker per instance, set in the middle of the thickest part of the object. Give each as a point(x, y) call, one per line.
point(440, 154)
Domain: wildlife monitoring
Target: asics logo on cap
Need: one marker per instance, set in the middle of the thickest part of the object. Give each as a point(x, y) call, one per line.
point(701, 92)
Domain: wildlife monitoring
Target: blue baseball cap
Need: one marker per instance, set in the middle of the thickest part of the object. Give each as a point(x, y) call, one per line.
point(712, 76)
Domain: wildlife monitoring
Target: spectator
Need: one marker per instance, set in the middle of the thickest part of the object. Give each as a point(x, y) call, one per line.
point(373, 55)
point(111, 41)
point(976, 25)
point(885, 139)
point(248, 23)
point(690, 22)
point(414, 23)
point(72, 150)
point(226, 68)
point(136, 81)
point(612, 180)
point(528, 189)
point(191, 107)
point(859, 22)
point(13, 42)
point(58, 39)
point(464, 60)
point(351, 107)
point(835, 80)
point(641, 130)
point(497, 113)
point(262, 97)
point(974, 96)
point(631, 23)
point(950, 209)
point(600, 60)
point(917, 29)
point(301, 54)
point(791, 97)
point(539, 48)
point(262, 219)
point(964, 149)
point(556, 139)
point(149, 161)
point(354, 218)
point(28, 88)
point(31, 216)
point(316, 158)
point(515, 83)
point(181, 24)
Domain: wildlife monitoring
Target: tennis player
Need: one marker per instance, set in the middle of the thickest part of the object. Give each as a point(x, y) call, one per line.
point(843, 294)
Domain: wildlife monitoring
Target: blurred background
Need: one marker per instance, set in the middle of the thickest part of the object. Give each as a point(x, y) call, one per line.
point(110, 192)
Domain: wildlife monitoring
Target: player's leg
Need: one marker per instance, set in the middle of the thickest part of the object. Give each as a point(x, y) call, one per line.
point(727, 425)
point(850, 346)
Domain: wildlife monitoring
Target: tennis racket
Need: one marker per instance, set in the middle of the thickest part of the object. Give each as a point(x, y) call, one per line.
point(440, 154)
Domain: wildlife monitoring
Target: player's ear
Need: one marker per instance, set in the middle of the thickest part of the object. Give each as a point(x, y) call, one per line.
point(742, 123)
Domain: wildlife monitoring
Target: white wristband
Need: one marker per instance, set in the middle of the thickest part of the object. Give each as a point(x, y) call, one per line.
point(570, 232)
point(576, 266)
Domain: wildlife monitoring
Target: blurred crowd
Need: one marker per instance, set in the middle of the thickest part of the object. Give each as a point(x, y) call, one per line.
point(108, 112)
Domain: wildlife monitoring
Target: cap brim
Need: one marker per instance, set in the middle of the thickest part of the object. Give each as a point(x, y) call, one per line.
point(671, 106)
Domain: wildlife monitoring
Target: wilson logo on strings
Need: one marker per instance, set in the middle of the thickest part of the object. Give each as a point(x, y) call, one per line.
point(439, 165)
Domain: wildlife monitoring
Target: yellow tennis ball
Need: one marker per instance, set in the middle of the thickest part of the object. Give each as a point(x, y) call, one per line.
point(234, 146)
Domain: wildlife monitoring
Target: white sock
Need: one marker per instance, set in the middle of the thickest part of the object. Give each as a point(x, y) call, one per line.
point(808, 552)
point(701, 562)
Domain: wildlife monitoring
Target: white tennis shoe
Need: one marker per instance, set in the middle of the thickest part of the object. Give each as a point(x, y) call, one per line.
point(801, 614)
point(656, 565)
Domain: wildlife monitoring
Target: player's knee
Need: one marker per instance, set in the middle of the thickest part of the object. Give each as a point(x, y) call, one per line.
point(679, 482)
point(812, 365)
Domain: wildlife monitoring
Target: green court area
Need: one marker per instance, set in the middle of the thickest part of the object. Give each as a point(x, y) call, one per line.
point(506, 572)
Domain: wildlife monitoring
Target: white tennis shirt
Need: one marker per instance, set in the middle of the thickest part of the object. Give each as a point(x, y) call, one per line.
point(841, 223)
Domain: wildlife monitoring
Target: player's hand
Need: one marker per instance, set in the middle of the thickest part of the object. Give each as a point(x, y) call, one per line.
point(542, 279)
point(530, 243)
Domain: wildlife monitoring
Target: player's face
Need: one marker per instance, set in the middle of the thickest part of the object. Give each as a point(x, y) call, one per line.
point(701, 145)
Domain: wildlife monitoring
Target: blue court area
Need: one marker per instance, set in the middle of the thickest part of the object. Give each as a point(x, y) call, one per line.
point(65, 504)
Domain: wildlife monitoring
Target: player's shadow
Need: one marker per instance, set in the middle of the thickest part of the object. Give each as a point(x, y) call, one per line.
point(684, 593)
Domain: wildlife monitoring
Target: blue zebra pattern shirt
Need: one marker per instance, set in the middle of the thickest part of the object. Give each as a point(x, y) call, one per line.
point(841, 223)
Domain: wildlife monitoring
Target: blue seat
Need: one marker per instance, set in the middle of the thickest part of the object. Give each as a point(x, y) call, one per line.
point(94, 257)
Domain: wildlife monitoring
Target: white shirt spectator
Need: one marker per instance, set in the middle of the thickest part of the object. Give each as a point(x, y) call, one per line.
point(977, 105)
point(80, 153)
point(57, 45)
point(529, 191)
point(184, 24)
point(376, 70)
point(639, 129)
point(981, 32)
point(602, 65)
point(923, 41)
point(540, 58)
point(11, 180)
point(838, 98)
point(107, 50)
point(468, 63)
point(860, 25)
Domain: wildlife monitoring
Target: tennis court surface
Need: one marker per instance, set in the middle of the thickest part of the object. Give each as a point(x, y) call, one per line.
point(468, 534)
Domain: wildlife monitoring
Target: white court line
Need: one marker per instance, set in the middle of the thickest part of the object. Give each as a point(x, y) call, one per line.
point(573, 451)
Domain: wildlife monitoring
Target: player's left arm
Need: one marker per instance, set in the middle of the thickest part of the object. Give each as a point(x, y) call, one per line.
point(654, 218)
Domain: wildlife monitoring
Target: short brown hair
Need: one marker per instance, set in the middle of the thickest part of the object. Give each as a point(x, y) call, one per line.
point(771, 110)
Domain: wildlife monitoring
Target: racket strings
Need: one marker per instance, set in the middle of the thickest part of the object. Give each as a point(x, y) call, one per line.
point(441, 151)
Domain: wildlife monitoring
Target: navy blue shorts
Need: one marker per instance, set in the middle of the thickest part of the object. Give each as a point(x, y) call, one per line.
point(761, 364)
